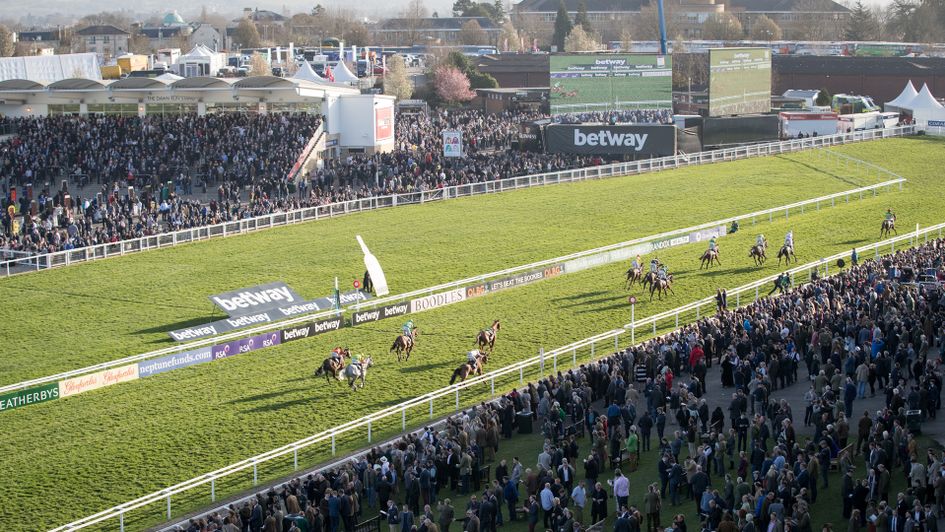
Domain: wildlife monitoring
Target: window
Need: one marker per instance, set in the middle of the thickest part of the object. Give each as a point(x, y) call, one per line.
point(63, 109)
point(91, 39)
point(106, 39)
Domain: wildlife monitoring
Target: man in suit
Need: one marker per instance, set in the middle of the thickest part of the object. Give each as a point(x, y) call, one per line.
point(393, 516)
point(652, 504)
point(487, 514)
point(847, 492)
point(623, 521)
point(472, 522)
point(445, 518)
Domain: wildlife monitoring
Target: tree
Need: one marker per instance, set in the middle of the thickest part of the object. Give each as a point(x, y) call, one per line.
point(464, 64)
point(722, 27)
point(863, 24)
point(498, 12)
point(7, 46)
point(765, 29)
point(823, 98)
point(258, 66)
point(396, 81)
point(581, 19)
point(581, 41)
point(646, 25)
point(562, 27)
point(511, 41)
point(416, 9)
point(472, 33)
point(452, 86)
point(246, 34)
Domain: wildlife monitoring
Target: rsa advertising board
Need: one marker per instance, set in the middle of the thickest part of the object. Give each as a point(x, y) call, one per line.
point(581, 82)
point(602, 139)
point(739, 81)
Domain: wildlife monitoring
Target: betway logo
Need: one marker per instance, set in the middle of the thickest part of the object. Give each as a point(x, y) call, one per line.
point(610, 62)
point(395, 310)
point(194, 332)
point(327, 325)
point(249, 319)
point(606, 137)
point(249, 299)
point(295, 334)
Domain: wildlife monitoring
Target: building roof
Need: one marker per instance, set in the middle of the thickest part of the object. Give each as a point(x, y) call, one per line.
point(173, 19)
point(77, 84)
point(550, 6)
point(438, 23)
point(787, 6)
point(20, 85)
point(162, 32)
point(38, 35)
point(105, 29)
point(909, 67)
point(263, 15)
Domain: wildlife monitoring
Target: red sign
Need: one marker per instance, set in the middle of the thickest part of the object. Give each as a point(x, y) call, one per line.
point(632, 300)
point(384, 123)
point(357, 283)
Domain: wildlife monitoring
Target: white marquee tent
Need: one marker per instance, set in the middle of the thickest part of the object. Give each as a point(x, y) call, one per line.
point(50, 68)
point(925, 108)
point(906, 96)
point(307, 73)
point(342, 74)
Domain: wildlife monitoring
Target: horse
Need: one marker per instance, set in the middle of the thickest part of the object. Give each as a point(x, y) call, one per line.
point(331, 367)
point(787, 252)
point(757, 253)
point(648, 279)
point(403, 345)
point(487, 337)
point(662, 287)
point(708, 257)
point(468, 368)
point(888, 225)
point(634, 275)
point(354, 373)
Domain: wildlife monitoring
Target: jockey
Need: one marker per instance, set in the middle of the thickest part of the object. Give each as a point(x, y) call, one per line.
point(734, 227)
point(408, 328)
point(636, 263)
point(760, 240)
point(890, 217)
point(712, 244)
point(789, 239)
point(662, 274)
point(654, 265)
point(336, 354)
point(356, 360)
point(473, 356)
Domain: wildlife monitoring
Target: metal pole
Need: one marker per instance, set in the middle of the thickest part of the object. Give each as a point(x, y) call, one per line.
point(369, 431)
point(493, 389)
point(457, 398)
point(121, 522)
point(521, 380)
point(555, 363)
point(213, 490)
point(573, 358)
point(333, 437)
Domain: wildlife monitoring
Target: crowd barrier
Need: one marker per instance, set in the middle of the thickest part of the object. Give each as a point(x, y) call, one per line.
point(538, 365)
point(123, 247)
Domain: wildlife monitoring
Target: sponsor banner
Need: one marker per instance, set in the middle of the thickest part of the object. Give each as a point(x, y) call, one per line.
point(602, 139)
point(617, 255)
point(226, 350)
point(259, 318)
point(525, 278)
point(310, 329)
point(384, 123)
point(98, 380)
point(178, 360)
point(476, 291)
point(437, 300)
point(381, 313)
point(452, 143)
point(255, 299)
point(936, 123)
point(706, 234)
point(29, 396)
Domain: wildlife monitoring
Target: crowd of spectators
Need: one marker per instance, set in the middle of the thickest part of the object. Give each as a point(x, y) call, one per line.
point(631, 116)
point(749, 473)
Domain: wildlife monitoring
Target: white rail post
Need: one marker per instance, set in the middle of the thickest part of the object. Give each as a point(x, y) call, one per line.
point(654, 326)
point(756, 293)
point(168, 506)
point(492, 381)
point(738, 297)
point(333, 443)
point(121, 522)
point(592, 350)
point(295, 459)
point(255, 473)
point(521, 377)
point(457, 398)
point(574, 357)
point(403, 418)
point(554, 362)
point(213, 490)
point(633, 334)
point(431, 408)
point(369, 427)
point(541, 360)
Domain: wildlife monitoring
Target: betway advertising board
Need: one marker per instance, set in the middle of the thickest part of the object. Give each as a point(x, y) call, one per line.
point(604, 139)
point(258, 318)
point(255, 298)
point(388, 311)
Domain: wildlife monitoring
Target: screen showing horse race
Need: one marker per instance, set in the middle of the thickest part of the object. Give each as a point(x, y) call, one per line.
point(739, 81)
point(591, 83)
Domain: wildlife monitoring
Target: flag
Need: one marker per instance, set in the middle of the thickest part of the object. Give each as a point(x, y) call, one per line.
point(328, 74)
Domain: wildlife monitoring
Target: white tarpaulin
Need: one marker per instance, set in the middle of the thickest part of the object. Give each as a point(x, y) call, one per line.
point(342, 74)
point(925, 108)
point(906, 96)
point(307, 73)
point(50, 68)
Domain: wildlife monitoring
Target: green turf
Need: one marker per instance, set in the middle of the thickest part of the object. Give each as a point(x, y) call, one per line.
point(81, 315)
point(111, 445)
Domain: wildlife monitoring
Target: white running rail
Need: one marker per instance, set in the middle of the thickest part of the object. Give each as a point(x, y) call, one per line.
point(177, 348)
point(426, 402)
point(123, 247)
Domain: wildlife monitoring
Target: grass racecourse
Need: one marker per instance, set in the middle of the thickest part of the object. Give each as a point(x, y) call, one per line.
point(111, 445)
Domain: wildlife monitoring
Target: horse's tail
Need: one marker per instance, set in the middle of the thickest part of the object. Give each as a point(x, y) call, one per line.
point(394, 345)
point(455, 374)
point(320, 371)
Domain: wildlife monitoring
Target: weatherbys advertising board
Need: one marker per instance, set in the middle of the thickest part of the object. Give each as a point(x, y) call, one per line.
point(601, 139)
point(258, 318)
point(29, 396)
point(739, 81)
point(255, 299)
point(581, 82)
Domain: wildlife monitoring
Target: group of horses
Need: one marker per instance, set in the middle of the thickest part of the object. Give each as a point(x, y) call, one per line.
point(658, 286)
point(341, 368)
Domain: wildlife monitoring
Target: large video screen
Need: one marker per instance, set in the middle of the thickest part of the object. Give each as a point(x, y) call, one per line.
point(601, 83)
point(739, 81)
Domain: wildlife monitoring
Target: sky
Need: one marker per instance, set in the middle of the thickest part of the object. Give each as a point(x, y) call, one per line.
point(77, 8)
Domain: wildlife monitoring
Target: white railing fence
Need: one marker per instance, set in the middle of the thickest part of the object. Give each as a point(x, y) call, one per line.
point(425, 408)
point(101, 251)
point(753, 217)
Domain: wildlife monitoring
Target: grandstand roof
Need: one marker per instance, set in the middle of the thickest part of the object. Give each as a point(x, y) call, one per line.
point(201, 82)
point(21, 85)
point(138, 83)
point(264, 82)
point(76, 84)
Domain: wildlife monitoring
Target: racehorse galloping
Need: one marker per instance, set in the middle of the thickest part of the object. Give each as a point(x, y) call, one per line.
point(634, 275)
point(708, 257)
point(487, 337)
point(332, 366)
point(648, 279)
point(354, 373)
point(403, 345)
point(757, 253)
point(662, 287)
point(888, 226)
point(468, 368)
point(788, 253)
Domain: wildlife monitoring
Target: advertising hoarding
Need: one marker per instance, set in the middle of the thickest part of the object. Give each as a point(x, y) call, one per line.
point(599, 139)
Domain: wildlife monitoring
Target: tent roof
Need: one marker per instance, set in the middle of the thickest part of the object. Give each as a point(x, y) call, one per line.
point(198, 52)
point(906, 96)
point(307, 73)
point(342, 74)
point(923, 101)
point(76, 84)
point(200, 82)
point(264, 82)
point(139, 83)
point(169, 77)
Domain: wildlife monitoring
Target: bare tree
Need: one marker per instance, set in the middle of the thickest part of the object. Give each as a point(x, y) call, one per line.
point(472, 33)
point(581, 41)
point(258, 66)
point(7, 46)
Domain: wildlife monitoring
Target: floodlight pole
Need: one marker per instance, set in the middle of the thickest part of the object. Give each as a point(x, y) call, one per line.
point(659, 6)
